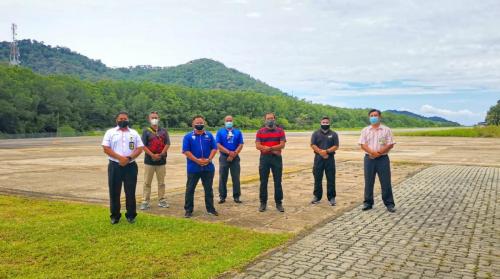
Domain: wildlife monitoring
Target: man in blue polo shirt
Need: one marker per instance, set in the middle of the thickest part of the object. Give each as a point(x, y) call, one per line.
point(229, 142)
point(200, 148)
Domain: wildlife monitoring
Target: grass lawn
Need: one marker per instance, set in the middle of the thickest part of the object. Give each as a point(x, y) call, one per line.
point(483, 132)
point(51, 239)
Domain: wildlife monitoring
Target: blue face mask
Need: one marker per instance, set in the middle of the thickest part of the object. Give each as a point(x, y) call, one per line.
point(374, 119)
point(229, 125)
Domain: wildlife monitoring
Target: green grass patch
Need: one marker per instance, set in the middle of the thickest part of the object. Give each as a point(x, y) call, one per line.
point(472, 132)
point(52, 239)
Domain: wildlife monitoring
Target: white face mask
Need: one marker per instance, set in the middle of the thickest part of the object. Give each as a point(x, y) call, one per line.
point(154, 121)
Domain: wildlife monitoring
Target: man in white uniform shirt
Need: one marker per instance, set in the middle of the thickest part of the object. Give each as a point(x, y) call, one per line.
point(122, 145)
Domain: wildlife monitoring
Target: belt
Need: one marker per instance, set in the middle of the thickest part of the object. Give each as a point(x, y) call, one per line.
point(381, 156)
point(116, 163)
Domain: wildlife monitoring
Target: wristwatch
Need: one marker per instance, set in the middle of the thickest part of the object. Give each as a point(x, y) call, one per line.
point(129, 158)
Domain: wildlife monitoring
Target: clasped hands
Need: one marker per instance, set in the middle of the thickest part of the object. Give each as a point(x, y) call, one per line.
point(270, 149)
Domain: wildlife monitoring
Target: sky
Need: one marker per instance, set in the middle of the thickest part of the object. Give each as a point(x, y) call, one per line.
point(430, 57)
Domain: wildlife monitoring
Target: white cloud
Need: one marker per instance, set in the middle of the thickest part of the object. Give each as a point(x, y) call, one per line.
point(430, 110)
point(253, 14)
point(307, 29)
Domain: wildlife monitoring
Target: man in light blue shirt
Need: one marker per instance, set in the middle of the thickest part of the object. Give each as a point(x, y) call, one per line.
point(229, 142)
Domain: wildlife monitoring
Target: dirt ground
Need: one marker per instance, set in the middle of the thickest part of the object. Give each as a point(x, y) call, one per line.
point(76, 169)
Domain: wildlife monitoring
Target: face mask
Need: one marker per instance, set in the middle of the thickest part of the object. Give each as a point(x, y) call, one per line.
point(270, 123)
point(154, 121)
point(229, 125)
point(199, 127)
point(373, 119)
point(325, 127)
point(122, 124)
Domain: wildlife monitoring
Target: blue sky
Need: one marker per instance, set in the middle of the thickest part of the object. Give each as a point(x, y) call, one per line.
point(430, 57)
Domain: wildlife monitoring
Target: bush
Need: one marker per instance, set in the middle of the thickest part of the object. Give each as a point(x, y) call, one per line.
point(66, 131)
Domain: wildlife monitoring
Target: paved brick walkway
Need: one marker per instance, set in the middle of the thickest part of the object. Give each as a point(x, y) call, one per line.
point(447, 226)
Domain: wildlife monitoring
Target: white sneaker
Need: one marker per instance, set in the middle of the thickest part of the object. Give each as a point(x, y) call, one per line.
point(163, 203)
point(145, 206)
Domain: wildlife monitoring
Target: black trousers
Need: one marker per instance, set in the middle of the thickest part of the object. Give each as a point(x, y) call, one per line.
point(207, 179)
point(327, 167)
point(224, 168)
point(118, 175)
point(272, 163)
point(380, 166)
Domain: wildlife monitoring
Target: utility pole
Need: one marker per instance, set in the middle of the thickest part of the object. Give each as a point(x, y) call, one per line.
point(14, 50)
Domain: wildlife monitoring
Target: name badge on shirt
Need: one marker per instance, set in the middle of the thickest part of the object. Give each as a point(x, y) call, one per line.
point(382, 141)
point(131, 144)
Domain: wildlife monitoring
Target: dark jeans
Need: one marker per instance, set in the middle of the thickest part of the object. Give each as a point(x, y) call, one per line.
point(207, 179)
point(380, 166)
point(116, 176)
point(272, 163)
point(224, 168)
point(327, 167)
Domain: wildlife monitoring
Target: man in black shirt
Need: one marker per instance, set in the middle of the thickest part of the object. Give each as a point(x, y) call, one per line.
point(324, 142)
point(156, 143)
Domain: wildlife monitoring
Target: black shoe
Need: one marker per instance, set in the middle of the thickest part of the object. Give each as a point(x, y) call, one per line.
point(188, 214)
point(222, 201)
point(315, 200)
point(366, 207)
point(279, 207)
point(213, 213)
point(115, 221)
point(237, 200)
point(391, 209)
point(262, 207)
point(131, 220)
point(333, 202)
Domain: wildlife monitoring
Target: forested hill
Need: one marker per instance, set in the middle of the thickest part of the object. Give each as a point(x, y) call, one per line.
point(432, 118)
point(201, 73)
point(34, 103)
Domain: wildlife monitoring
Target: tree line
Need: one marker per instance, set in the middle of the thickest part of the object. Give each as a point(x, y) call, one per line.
point(33, 103)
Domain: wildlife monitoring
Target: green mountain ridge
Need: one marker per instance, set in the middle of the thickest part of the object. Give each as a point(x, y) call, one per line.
point(200, 73)
point(418, 116)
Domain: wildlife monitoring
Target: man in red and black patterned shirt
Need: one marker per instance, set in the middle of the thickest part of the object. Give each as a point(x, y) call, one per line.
point(156, 143)
point(270, 140)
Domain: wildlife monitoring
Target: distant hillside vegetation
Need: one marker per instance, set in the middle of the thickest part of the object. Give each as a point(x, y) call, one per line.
point(432, 118)
point(201, 73)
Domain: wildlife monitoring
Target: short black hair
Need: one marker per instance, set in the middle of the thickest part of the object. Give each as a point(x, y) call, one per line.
point(121, 112)
point(375, 110)
point(198, 116)
point(267, 113)
point(325, 117)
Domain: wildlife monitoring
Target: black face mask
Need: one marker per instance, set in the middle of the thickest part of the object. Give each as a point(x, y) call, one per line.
point(122, 124)
point(325, 127)
point(270, 123)
point(199, 127)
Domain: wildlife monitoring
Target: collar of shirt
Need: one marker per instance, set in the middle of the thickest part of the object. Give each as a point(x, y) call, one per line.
point(196, 134)
point(117, 128)
point(325, 132)
point(380, 127)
